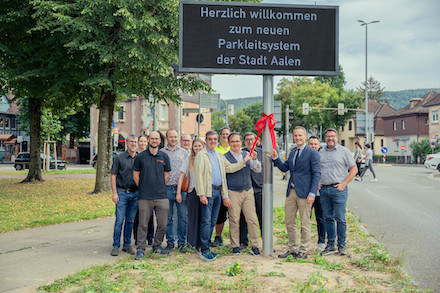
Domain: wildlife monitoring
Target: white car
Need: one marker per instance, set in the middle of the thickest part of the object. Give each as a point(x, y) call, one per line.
point(433, 161)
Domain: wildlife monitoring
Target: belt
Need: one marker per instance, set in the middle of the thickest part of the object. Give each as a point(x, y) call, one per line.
point(128, 190)
point(217, 187)
point(327, 185)
point(172, 185)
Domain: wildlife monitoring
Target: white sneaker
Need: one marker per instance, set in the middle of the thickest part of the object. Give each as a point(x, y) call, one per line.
point(357, 178)
point(374, 180)
point(321, 247)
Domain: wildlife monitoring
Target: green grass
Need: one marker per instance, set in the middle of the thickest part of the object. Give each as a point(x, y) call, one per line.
point(51, 172)
point(54, 201)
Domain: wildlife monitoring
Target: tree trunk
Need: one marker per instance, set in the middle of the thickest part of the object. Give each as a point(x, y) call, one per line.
point(34, 173)
point(106, 109)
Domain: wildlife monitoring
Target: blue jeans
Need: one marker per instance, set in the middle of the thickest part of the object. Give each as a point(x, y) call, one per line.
point(333, 202)
point(182, 217)
point(126, 209)
point(208, 218)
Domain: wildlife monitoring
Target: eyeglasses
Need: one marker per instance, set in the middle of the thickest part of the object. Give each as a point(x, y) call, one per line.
point(331, 136)
point(212, 139)
point(235, 141)
point(154, 138)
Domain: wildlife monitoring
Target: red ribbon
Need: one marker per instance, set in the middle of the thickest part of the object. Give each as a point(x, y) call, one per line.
point(259, 126)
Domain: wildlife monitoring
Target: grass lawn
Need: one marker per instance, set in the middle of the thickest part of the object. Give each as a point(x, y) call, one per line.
point(51, 172)
point(54, 201)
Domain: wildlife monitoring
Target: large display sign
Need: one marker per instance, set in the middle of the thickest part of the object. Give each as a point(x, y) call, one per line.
point(255, 38)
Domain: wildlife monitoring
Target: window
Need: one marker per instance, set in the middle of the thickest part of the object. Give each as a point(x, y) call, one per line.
point(13, 123)
point(7, 123)
point(121, 114)
point(434, 116)
point(426, 121)
point(350, 125)
point(342, 128)
point(403, 124)
point(162, 112)
point(1, 122)
point(394, 125)
point(381, 143)
point(343, 142)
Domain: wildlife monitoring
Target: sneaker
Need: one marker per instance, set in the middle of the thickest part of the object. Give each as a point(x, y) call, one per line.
point(342, 250)
point(328, 249)
point(321, 247)
point(357, 178)
point(115, 251)
point(170, 246)
point(218, 241)
point(139, 255)
point(255, 251)
point(160, 250)
point(300, 255)
point(208, 256)
point(128, 249)
point(236, 250)
point(286, 254)
point(374, 180)
point(184, 249)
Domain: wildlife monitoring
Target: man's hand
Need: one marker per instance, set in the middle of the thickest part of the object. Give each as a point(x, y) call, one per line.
point(254, 155)
point(227, 202)
point(247, 158)
point(203, 200)
point(310, 199)
point(274, 154)
point(115, 198)
point(178, 197)
point(340, 186)
point(319, 186)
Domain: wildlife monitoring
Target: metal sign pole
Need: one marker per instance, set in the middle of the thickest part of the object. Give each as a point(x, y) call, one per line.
point(268, 169)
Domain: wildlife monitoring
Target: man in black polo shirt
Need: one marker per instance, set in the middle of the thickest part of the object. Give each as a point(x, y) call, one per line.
point(151, 173)
point(125, 196)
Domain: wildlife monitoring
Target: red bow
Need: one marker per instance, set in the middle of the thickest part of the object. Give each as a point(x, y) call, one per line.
point(259, 126)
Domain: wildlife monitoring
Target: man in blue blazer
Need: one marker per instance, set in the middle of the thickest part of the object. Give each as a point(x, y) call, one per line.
point(305, 172)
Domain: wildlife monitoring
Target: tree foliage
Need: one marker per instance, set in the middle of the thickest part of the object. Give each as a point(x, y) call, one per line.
point(375, 91)
point(422, 148)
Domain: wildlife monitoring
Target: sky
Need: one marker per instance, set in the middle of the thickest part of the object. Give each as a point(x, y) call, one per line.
point(403, 48)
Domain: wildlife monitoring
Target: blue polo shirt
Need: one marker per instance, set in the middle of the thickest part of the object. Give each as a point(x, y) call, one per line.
point(152, 170)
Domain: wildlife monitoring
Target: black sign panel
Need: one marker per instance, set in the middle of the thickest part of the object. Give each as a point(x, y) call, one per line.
point(245, 38)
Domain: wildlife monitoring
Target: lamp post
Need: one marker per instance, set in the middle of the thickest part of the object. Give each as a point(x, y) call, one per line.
point(366, 76)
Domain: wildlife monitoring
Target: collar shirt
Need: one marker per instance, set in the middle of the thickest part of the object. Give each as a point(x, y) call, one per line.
point(122, 167)
point(335, 164)
point(299, 151)
point(254, 164)
point(177, 156)
point(215, 168)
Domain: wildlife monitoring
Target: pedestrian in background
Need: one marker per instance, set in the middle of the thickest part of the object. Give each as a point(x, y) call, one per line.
point(125, 196)
point(358, 158)
point(368, 163)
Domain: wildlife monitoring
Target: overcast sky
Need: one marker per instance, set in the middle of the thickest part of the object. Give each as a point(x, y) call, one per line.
point(403, 48)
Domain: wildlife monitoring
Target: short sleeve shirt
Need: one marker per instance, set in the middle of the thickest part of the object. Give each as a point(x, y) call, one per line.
point(177, 156)
point(152, 170)
point(122, 167)
point(335, 164)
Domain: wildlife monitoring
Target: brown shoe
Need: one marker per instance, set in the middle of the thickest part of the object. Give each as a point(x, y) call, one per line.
point(300, 255)
point(284, 255)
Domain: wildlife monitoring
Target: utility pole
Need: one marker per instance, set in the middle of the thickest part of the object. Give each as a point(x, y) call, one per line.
point(286, 125)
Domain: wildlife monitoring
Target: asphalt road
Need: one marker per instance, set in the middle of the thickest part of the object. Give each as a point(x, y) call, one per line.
point(402, 210)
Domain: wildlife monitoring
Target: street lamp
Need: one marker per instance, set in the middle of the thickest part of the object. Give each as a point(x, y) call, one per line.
point(366, 76)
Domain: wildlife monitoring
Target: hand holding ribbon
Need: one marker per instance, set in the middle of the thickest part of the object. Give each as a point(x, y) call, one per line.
point(259, 126)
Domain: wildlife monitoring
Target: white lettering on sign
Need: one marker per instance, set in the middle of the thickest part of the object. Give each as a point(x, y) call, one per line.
point(271, 14)
point(258, 45)
point(285, 61)
point(222, 13)
point(233, 29)
point(249, 60)
point(280, 31)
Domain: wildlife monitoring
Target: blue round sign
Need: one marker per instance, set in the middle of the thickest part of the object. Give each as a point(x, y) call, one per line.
point(384, 150)
point(113, 124)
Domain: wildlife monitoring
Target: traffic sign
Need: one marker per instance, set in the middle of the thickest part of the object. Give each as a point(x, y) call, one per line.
point(433, 135)
point(402, 147)
point(433, 144)
point(384, 150)
point(116, 130)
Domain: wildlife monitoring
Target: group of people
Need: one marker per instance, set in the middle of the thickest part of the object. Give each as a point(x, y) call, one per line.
point(209, 181)
point(368, 159)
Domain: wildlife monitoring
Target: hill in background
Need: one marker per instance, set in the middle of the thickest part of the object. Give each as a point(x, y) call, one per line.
point(398, 99)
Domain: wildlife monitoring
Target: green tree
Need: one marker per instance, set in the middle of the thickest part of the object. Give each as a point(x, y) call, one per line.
point(255, 112)
point(337, 82)
point(422, 148)
point(375, 91)
point(37, 70)
point(240, 122)
point(217, 121)
point(128, 48)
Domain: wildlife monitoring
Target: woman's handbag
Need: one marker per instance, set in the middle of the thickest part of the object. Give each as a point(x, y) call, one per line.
point(185, 184)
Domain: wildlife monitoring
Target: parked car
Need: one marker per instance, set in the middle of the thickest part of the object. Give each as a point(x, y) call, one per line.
point(433, 161)
point(95, 158)
point(25, 157)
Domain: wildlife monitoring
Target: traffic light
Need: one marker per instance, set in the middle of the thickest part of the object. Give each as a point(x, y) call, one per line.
point(291, 117)
point(341, 110)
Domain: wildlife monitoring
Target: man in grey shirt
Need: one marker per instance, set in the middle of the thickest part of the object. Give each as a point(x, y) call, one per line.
point(338, 168)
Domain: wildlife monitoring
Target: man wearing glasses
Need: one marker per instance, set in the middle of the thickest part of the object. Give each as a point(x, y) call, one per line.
point(335, 161)
point(210, 169)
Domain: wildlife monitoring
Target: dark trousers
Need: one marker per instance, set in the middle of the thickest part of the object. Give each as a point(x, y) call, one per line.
point(320, 220)
point(150, 234)
point(146, 207)
point(193, 234)
point(258, 197)
point(358, 164)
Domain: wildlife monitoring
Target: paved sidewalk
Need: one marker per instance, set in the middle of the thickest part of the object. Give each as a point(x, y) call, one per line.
point(33, 257)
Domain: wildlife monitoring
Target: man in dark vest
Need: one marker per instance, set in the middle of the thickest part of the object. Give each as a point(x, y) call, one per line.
point(241, 195)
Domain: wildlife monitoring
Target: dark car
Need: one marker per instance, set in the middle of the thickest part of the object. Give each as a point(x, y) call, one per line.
point(95, 158)
point(25, 157)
